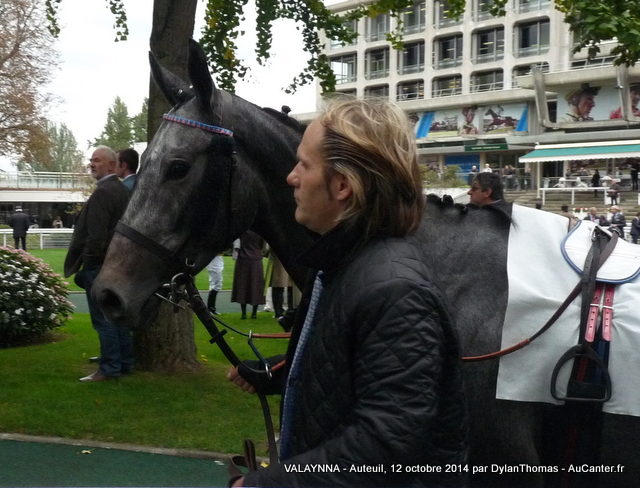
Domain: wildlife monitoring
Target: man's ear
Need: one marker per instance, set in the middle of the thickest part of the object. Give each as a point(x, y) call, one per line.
point(341, 187)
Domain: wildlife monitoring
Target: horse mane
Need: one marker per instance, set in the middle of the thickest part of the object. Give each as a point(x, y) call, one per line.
point(285, 119)
point(446, 203)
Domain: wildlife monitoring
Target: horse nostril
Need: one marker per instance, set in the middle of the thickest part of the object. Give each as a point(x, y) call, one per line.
point(110, 304)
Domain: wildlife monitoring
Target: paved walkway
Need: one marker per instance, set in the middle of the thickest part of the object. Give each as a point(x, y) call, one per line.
point(223, 302)
point(40, 462)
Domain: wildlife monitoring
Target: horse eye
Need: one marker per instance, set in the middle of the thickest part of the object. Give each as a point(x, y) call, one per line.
point(177, 170)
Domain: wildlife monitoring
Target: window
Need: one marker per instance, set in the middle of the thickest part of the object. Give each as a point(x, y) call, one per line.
point(413, 18)
point(523, 6)
point(526, 70)
point(411, 58)
point(344, 67)
point(351, 25)
point(447, 86)
point(447, 51)
point(410, 90)
point(376, 64)
point(532, 38)
point(441, 10)
point(380, 91)
point(588, 63)
point(487, 81)
point(481, 10)
point(346, 93)
point(489, 45)
point(378, 27)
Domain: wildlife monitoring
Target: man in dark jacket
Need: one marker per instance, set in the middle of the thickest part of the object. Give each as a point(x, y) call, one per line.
point(618, 222)
point(372, 388)
point(19, 222)
point(91, 236)
point(127, 161)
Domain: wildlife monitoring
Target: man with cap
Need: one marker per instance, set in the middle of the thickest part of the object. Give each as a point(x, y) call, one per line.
point(581, 102)
point(19, 221)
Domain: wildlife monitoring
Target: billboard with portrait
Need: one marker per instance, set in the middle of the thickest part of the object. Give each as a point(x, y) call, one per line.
point(593, 102)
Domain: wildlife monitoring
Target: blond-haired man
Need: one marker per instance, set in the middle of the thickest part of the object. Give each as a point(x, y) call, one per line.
point(372, 376)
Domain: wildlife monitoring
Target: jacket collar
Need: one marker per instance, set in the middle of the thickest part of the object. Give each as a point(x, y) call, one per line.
point(335, 248)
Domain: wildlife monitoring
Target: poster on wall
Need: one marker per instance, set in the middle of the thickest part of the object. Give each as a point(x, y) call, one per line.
point(471, 120)
point(594, 102)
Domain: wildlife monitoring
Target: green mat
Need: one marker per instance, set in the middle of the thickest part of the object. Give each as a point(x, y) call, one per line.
point(38, 464)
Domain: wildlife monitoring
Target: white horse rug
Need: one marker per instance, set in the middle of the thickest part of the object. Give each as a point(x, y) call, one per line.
point(542, 272)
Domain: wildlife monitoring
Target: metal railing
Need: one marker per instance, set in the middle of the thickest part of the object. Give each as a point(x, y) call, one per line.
point(37, 180)
point(45, 238)
point(524, 7)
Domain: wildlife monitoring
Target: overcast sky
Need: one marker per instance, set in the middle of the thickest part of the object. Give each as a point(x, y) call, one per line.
point(94, 70)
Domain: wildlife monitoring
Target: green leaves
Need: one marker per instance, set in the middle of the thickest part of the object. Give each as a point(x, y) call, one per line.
point(591, 21)
point(34, 299)
point(595, 22)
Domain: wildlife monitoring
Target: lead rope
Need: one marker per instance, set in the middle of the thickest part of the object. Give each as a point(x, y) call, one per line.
point(217, 336)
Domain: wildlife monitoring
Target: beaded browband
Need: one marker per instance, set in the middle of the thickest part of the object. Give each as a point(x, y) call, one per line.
point(199, 125)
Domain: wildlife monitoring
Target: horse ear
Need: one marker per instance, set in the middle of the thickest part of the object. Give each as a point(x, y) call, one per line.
point(174, 89)
point(199, 75)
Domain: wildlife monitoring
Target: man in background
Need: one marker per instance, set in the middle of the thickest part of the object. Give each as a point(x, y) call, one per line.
point(91, 236)
point(19, 222)
point(126, 166)
point(486, 189)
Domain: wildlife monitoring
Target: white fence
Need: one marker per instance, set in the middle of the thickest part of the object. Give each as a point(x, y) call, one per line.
point(47, 238)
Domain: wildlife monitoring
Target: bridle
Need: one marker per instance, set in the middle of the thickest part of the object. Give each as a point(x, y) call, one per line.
point(182, 285)
point(157, 249)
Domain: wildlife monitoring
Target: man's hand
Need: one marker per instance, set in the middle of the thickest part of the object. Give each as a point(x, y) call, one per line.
point(233, 375)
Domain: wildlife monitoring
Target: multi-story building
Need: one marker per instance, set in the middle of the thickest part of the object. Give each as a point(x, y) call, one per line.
point(487, 90)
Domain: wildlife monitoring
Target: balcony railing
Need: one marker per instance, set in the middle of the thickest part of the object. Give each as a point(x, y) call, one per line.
point(482, 87)
point(45, 181)
point(488, 57)
point(532, 51)
point(413, 29)
point(524, 7)
point(448, 63)
point(413, 95)
point(378, 73)
point(411, 68)
point(446, 22)
point(340, 79)
point(446, 92)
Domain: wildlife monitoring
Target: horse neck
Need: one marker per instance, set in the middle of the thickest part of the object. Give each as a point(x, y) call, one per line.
point(269, 149)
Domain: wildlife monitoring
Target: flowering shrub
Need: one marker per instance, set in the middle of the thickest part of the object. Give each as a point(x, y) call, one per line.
point(33, 299)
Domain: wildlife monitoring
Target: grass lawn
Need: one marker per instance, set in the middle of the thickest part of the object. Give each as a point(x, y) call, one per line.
point(55, 258)
point(40, 394)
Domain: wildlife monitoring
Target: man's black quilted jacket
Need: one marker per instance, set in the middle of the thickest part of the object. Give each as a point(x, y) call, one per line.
point(381, 385)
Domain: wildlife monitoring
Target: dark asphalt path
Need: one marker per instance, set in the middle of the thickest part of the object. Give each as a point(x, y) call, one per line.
point(223, 302)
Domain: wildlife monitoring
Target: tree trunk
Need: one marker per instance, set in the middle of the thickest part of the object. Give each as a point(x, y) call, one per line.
point(168, 344)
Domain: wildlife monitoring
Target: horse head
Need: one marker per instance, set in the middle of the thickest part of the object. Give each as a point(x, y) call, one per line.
point(200, 186)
